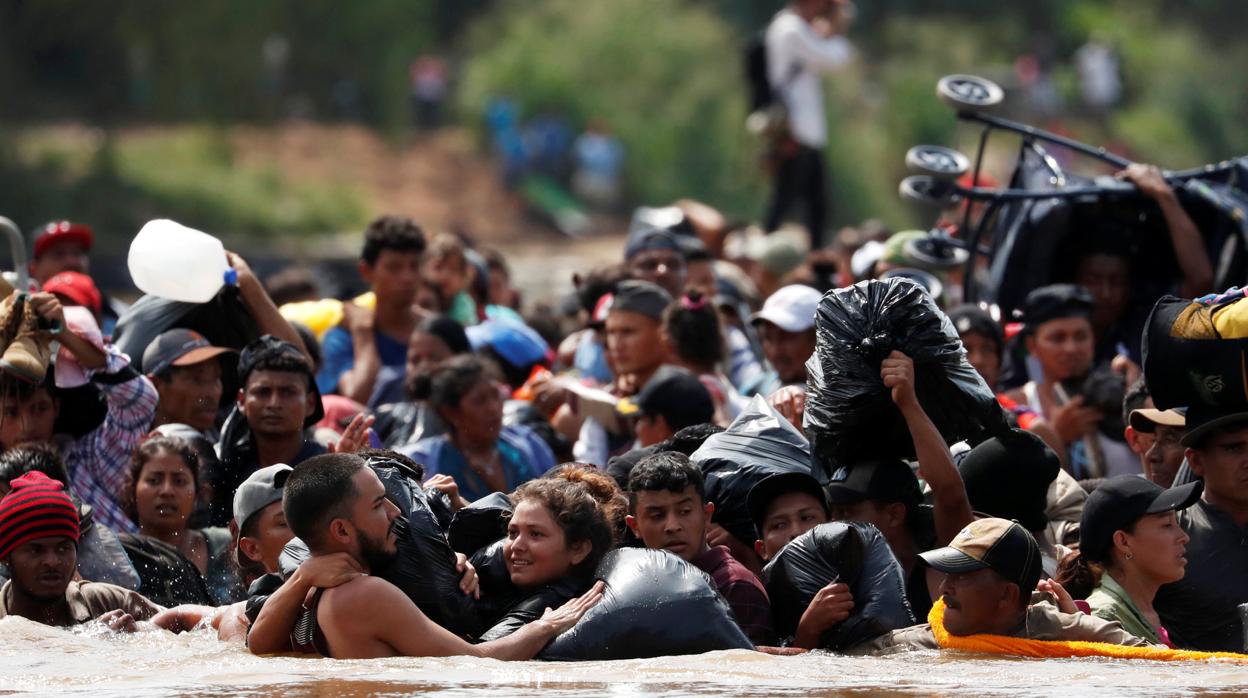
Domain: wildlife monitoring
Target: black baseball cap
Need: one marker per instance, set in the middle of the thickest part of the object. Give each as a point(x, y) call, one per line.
point(968, 319)
point(1002, 546)
point(676, 394)
point(1118, 502)
point(765, 491)
point(269, 346)
point(889, 480)
point(179, 347)
point(1055, 301)
point(1203, 421)
point(641, 297)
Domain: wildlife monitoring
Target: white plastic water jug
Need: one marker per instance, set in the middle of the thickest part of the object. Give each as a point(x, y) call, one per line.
point(170, 260)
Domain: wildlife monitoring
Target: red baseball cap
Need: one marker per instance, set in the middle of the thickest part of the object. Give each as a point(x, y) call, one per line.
point(78, 288)
point(59, 231)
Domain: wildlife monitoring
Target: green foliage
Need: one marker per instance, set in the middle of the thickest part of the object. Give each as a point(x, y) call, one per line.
point(665, 77)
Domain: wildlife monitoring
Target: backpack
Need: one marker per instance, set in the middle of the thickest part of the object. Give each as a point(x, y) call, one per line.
point(769, 115)
point(756, 78)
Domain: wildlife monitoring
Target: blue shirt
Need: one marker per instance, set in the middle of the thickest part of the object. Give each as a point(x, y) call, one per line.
point(338, 356)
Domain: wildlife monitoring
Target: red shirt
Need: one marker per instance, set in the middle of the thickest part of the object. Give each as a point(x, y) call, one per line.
point(744, 592)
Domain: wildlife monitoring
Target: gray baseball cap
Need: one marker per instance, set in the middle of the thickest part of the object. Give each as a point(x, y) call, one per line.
point(258, 491)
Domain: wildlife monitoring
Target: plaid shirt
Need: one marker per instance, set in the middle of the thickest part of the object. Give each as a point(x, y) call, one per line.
point(99, 461)
point(744, 593)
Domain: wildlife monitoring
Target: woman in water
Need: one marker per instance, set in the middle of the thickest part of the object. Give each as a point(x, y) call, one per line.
point(1130, 543)
point(481, 454)
point(177, 564)
point(556, 537)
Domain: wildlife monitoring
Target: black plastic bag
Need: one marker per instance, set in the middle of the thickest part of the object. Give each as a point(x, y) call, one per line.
point(852, 553)
point(758, 443)
point(850, 415)
point(480, 523)
point(655, 604)
point(224, 321)
point(424, 567)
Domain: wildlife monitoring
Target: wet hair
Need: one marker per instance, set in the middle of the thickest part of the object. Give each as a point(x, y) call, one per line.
point(146, 451)
point(666, 470)
point(1134, 399)
point(292, 284)
point(41, 458)
point(391, 233)
point(576, 511)
point(318, 491)
point(603, 489)
point(692, 326)
point(691, 438)
point(448, 383)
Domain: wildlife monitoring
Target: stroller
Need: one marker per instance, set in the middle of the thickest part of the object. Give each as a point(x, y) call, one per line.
point(1027, 228)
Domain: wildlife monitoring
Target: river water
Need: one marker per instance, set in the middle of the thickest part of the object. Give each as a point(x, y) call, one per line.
point(40, 660)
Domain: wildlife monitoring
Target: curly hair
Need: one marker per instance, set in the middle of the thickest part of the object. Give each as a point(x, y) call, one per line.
point(148, 450)
point(576, 511)
point(603, 489)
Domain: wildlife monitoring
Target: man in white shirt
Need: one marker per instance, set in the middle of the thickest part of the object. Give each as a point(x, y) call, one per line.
point(803, 40)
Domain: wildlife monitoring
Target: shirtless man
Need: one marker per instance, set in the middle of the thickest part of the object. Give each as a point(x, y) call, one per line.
point(339, 508)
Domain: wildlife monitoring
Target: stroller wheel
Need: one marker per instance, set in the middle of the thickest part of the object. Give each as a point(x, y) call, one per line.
point(936, 252)
point(969, 92)
point(936, 161)
point(928, 191)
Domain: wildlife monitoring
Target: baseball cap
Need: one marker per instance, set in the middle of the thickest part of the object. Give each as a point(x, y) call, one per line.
point(765, 491)
point(792, 308)
point(1146, 420)
point(969, 319)
point(78, 288)
point(1055, 301)
point(60, 231)
point(884, 480)
point(648, 237)
point(676, 394)
point(1002, 546)
point(642, 297)
point(259, 490)
point(1118, 502)
point(1202, 421)
point(178, 347)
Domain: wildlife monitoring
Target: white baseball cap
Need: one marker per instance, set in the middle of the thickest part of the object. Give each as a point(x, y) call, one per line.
point(792, 308)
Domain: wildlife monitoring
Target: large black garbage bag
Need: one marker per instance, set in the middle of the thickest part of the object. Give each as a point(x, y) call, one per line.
point(850, 414)
point(852, 553)
point(1186, 360)
point(758, 443)
point(224, 321)
point(424, 567)
point(655, 604)
point(480, 523)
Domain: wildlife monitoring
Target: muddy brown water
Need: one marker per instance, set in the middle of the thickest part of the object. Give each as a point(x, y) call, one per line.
point(38, 660)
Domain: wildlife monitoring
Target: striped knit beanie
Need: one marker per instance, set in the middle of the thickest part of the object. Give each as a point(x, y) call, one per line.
point(37, 507)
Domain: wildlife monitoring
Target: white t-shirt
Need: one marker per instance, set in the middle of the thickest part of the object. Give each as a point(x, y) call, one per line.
point(791, 41)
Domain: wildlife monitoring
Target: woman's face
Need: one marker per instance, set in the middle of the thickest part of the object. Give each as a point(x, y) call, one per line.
point(1157, 547)
point(1108, 279)
point(536, 550)
point(164, 494)
point(1064, 347)
point(424, 351)
point(479, 415)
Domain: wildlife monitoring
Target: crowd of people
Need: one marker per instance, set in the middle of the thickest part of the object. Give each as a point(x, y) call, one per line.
point(175, 486)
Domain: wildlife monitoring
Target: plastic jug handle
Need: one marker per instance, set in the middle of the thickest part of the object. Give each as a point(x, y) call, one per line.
point(231, 277)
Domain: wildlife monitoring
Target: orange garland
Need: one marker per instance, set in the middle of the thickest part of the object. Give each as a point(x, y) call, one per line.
point(1023, 647)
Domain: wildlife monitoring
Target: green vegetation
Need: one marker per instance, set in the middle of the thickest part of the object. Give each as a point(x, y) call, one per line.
point(185, 173)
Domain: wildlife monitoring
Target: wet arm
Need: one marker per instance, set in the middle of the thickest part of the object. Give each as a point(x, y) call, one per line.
point(952, 509)
point(263, 310)
point(271, 631)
